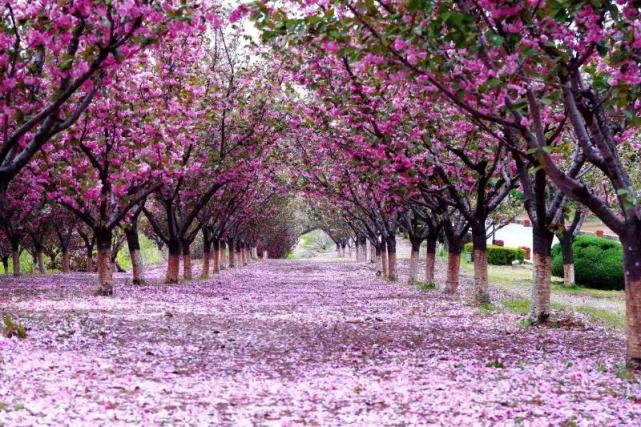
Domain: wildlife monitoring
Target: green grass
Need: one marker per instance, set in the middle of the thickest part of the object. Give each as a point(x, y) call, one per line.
point(148, 250)
point(517, 306)
point(488, 308)
point(600, 315)
point(424, 286)
point(312, 243)
point(26, 263)
point(607, 317)
point(515, 277)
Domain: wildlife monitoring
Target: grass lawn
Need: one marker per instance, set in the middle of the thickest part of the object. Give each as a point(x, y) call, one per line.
point(606, 307)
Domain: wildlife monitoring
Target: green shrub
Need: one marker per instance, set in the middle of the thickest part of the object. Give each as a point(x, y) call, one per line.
point(598, 262)
point(498, 255)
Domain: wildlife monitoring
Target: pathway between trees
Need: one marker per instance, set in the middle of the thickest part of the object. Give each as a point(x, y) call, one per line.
point(299, 341)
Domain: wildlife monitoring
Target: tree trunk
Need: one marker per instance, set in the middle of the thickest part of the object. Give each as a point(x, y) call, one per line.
point(133, 245)
point(66, 262)
point(632, 267)
point(568, 259)
point(187, 270)
point(206, 257)
point(384, 271)
point(391, 255)
point(216, 256)
point(15, 259)
point(430, 257)
point(239, 256)
point(173, 262)
point(416, 247)
point(40, 258)
point(479, 242)
point(372, 253)
point(5, 264)
point(540, 309)
point(223, 255)
point(453, 267)
point(103, 243)
point(230, 254)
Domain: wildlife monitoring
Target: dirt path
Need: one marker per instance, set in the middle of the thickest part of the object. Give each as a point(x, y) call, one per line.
point(298, 342)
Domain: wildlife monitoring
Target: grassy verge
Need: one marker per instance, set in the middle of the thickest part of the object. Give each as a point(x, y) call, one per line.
point(600, 315)
point(148, 250)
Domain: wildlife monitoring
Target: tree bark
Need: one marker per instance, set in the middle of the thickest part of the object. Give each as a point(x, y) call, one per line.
point(632, 267)
point(103, 243)
point(391, 255)
point(453, 267)
point(414, 262)
point(540, 309)
point(479, 242)
point(216, 256)
point(187, 268)
point(568, 259)
point(40, 257)
point(173, 262)
point(372, 253)
point(430, 257)
point(5, 264)
point(384, 270)
point(223, 255)
point(133, 245)
point(15, 259)
point(206, 257)
point(230, 256)
point(66, 262)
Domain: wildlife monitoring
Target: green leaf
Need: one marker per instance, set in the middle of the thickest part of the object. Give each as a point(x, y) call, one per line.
point(494, 38)
point(66, 62)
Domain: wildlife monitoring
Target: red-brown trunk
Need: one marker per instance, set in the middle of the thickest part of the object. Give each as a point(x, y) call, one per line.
point(66, 262)
point(216, 260)
point(430, 261)
point(104, 272)
point(413, 266)
point(540, 310)
point(231, 261)
point(205, 270)
point(15, 260)
point(481, 291)
point(187, 270)
point(137, 267)
point(453, 268)
point(173, 268)
point(41, 262)
point(632, 267)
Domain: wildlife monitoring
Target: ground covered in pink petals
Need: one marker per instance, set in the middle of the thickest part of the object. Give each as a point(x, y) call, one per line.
point(291, 342)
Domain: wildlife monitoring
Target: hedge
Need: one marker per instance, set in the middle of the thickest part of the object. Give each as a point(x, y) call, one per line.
point(498, 255)
point(598, 262)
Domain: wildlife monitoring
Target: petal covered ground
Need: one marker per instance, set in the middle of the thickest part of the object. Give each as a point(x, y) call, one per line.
point(297, 342)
